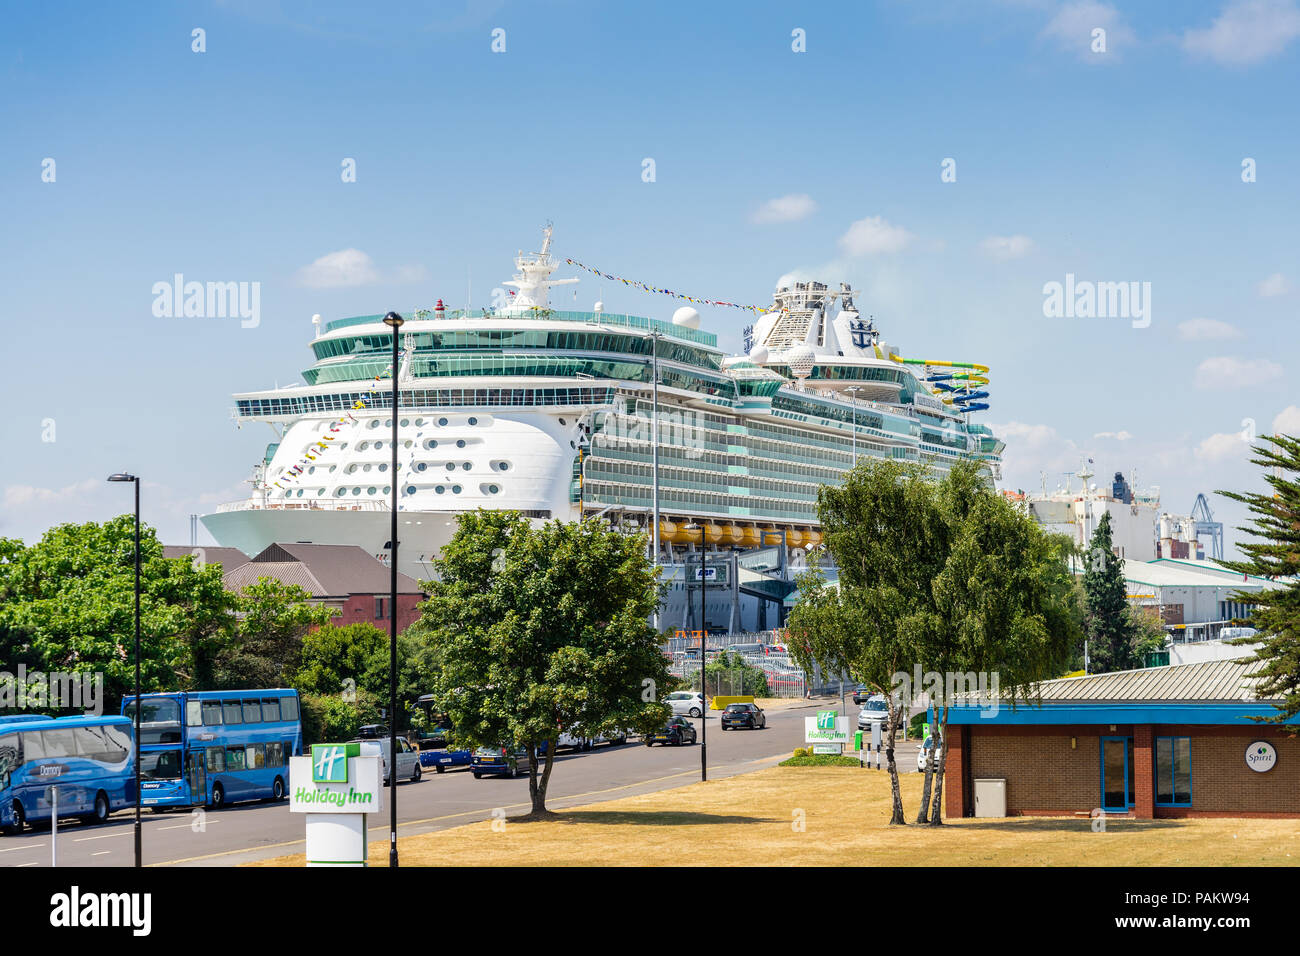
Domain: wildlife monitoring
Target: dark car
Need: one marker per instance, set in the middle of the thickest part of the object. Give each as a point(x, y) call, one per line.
point(749, 716)
point(506, 761)
point(677, 731)
point(862, 694)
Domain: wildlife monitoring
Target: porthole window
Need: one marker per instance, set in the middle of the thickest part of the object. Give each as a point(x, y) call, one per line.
point(410, 489)
point(388, 424)
point(465, 466)
point(442, 421)
point(383, 467)
point(356, 491)
point(573, 444)
point(431, 443)
point(455, 489)
point(299, 492)
point(419, 422)
point(366, 468)
point(371, 491)
point(374, 423)
point(362, 446)
point(451, 466)
point(440, 489)
point(311, 470)
point(493, 489)
point(407, 443)
point(405, 422)
point(378, 445)
point(561, 421)
point(340, 492)
point(473, 421)
point(504, 466)
point(387, 488)
point(460, 443)
point(321, 492)
point(421, 466)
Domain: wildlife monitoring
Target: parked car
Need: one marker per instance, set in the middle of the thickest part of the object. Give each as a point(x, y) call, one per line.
point(875, 710)
point(924, 749)
point(408, 758)
point(504, 761)
point(690, 703)
point(749, 716)
point(677, 731)
point(862, 694)
point(440, 761)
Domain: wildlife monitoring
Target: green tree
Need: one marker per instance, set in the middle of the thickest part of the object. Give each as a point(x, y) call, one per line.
point(728, 668)
point(539, 631)
point(942, 575)
point(332, 655)
point(266, 651)
point(1274, 554)
point(417, 665)
point(329, 718)
point(67, 603)
point(1108, 624)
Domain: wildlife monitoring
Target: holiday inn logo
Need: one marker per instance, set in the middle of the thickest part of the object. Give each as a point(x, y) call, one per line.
point(826, 719)
point(329, 762)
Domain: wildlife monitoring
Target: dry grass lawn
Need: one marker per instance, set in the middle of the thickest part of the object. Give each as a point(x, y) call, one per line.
point(752, 819)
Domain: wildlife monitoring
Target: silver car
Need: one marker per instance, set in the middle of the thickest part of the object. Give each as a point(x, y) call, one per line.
point(408, 758)
point(686, 702)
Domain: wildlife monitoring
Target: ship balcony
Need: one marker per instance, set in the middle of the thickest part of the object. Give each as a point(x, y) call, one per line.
point(303, 504)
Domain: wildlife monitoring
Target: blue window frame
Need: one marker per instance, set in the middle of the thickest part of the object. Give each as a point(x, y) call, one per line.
point(1116, 771)
point(1173, 771)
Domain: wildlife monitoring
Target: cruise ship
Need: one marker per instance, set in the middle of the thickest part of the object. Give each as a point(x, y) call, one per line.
point(550, 412)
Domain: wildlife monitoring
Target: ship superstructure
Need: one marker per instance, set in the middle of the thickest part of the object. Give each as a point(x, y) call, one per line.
point(548, 412)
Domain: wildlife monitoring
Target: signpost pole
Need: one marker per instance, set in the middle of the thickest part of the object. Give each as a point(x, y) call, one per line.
point(54, 826)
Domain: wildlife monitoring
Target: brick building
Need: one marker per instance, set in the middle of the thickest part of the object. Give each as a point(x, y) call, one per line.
point(341, 576)
point(1172, 741)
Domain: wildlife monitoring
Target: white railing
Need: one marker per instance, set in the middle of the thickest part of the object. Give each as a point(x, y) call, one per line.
point(306, 504)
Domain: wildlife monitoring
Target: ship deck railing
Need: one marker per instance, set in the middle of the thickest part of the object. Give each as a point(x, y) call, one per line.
point(307, 504)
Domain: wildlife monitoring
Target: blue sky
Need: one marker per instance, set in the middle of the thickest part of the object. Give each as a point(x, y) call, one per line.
point(1115, 166)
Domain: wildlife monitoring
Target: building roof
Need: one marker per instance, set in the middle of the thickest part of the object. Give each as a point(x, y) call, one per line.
point(324, 570)
point(1205, 681)
point(1212, 569)
point(228, 558)
point(1181, 574)
point(1207, 692)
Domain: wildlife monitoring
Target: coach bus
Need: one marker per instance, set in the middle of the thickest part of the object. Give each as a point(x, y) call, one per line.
point(89, 760)
point(211, 748)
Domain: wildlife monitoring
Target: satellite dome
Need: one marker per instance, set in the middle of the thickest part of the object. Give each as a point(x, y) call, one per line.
point(801, 360)
point(686, 317)
point(758, 354)
point(598, 307)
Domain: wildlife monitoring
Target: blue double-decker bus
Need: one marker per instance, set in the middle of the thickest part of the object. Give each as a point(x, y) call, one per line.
point(211, 748)
point(89, 760)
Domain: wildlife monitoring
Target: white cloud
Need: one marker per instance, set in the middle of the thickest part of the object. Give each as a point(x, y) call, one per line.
point(1007, 247)
point(1118, 436)
point(1287, 421)
point(1245, 32)
point(1222, 446)
point(1228, 371)
point(873, 236)
point(1024, 433)
point(1073, 25)
point(337, 270)
point(1274, 285)
point(790, 208)
point(1201, 330)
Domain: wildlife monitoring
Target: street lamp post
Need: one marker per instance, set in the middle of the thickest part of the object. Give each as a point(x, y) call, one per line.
point(393, 321)
point(704, 650)
point(134, 479)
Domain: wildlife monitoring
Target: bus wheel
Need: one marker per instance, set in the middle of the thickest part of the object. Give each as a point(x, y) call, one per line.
point(20, 818)
point(218, 796)
point(101, 811)
point(277, 789)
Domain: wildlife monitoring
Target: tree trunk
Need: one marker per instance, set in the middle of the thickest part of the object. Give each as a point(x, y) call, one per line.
point(897, 819)
point(536, 787)
point(936, 811)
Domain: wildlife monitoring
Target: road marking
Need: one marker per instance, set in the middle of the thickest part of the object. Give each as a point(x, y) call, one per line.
point(25, 846)
point(28, 864)
point(101, 852)
point(102, 836)
point(189, 826)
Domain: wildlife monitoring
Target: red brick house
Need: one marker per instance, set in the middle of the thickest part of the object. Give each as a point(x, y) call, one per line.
point(341, 576)
point(1173, 741)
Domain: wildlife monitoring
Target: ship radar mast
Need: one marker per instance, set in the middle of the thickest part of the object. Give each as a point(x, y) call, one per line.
point(533, 281)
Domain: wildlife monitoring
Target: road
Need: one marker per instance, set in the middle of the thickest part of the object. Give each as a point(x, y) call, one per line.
point(252, 831)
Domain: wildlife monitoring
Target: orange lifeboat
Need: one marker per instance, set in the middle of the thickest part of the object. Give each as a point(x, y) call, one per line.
point(795, 537)
point(713, 533)
point(813, 537)
point(751, 537)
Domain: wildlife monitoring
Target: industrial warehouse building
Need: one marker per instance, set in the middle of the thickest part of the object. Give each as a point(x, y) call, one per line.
point(1174, 741)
